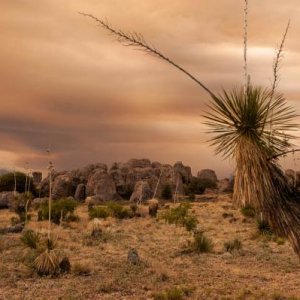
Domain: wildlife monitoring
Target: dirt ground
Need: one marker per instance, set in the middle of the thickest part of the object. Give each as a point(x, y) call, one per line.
point(264, 269)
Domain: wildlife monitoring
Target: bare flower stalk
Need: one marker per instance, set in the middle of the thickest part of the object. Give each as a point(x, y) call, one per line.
point(50, 170)
point(138, 41)
point(246, 79)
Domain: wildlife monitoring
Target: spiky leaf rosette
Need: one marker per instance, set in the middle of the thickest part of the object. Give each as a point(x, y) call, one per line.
point(252, 129)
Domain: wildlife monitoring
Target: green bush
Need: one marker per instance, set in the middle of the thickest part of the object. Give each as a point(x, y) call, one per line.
point(99, 212)
point(174, 293)
point(118, 211)
point(166, 192)
point(21, 205)
point(7, 183)
point(179, 216)
point(201, 243)
point(233, 246)
point(60, 209)
point(30, 239)
point(197, 186)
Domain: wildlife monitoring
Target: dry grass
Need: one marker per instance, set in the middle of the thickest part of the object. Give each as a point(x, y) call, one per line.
point(264, 269)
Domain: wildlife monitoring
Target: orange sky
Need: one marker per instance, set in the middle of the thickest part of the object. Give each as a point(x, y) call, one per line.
point(65, 82)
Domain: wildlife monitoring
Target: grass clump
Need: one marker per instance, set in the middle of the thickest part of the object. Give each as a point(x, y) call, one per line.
point(233, 246)
point(263, 227)
point(61, 210)
point(180, 217)
point(30, 239)
point(81, 269)
point(201, 243)
point(98, 212)
point(118, 211)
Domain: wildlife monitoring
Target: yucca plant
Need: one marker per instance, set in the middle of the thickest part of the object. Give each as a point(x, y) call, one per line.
point(30, 239)
point(47, 263)
point(250, 125)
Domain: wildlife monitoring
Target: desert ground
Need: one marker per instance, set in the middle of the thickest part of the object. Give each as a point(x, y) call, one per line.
point(264, 269)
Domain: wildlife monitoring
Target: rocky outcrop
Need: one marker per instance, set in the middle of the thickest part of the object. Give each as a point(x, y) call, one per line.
point(138, 178)
point(6, 199)
point(208, 174)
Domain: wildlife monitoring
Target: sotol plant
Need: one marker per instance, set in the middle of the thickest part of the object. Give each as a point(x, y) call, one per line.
point(249, 125)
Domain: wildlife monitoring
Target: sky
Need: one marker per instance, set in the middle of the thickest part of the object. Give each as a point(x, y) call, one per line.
point(67, 84)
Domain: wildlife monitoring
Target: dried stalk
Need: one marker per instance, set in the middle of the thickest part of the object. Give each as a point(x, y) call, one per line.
point(246, 81)
point(138, 41)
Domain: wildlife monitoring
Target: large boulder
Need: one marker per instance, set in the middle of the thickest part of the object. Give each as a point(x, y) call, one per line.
point(102, 185)
point(139, 163)
point(6, 199)
point(64, 186)
point(142, 192)
point(185, 172)
point(208, 174)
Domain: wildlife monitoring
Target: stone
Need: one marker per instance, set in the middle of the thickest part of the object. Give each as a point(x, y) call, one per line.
point(6, 199)
point(133, 257)
point(185, 172)
point(64, 186)
point(139, 163)
point(142, 192)
point(208, 174)
point(80, 192)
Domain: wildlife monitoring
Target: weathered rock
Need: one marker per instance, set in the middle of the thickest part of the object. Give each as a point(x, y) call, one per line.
point(208, 174)
point(80, 192)
point(93, 200)
point(101, 185)
point(64, 186)
point(153, 207)
point(6, 199)
point(225, 185)
point(133, 257)
point(185, 172)
point(142, 192)
point(12, 229)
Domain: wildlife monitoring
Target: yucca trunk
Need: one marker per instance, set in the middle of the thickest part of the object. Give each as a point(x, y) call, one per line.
point(261, 184)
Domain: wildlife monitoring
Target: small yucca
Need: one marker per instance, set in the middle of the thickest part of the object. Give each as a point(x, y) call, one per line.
point(30, 239)
point(47, 263)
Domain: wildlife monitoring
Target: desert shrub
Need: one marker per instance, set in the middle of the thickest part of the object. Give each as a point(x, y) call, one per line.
point(30, 239)
point(279, 240)
point(7, 183)
point(166, 192)
point(197, 186)
point(98, 212)
point(233, 246)
point(179, 216)
point(60, 210)
point(118, 211)
point(47, 263)
point(248, 212)
point(82, 269)
point(133, 207)
point(201, 243)
point(263, 227)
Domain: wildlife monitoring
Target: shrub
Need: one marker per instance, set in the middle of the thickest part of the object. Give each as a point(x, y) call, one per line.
point(197, 186)
point(233, 246)
point(21, 205)
point(263, 227)
point(7, 183)
point(47, 263)
point(60, 209)
point(30, 239)
point(179, 216)
point(248, 211)
point(98, 212)
point(118, 211)
point(166, 192)
point(201, 243)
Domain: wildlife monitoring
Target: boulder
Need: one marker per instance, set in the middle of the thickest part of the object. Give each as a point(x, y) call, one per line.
point(208, 174)
point(185, 172)
point(64, 186)
point(80, 192)
point(139, 163)
point(6, 199)
point(102, 185)
point(142, 192)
